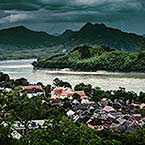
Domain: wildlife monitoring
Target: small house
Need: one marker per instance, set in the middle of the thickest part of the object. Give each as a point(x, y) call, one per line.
point(33, 90)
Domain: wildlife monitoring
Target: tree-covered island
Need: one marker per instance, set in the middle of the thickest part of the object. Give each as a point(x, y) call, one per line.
point(92, 59)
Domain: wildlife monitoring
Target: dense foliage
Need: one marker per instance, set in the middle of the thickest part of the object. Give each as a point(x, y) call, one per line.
point(93, 59)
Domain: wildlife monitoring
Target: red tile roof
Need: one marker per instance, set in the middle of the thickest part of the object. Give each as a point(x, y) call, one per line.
point(136, 116)
point(142, 106)
point(60, 91)
point(31, 87)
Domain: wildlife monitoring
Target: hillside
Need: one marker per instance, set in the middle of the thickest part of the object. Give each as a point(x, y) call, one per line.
point(98, 34)
point(93, 59)
point(21, 37)
point(20, 42)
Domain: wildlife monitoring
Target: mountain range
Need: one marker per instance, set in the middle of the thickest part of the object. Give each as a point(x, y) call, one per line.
point(21, 42)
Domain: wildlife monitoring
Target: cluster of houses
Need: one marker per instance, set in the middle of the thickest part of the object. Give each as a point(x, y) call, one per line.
point(104, 114)
point(18, 128)
point(100, 115)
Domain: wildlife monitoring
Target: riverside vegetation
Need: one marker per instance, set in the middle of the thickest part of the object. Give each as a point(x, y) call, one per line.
point(59, 129)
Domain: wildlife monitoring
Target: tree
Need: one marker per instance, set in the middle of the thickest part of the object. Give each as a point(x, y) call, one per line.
point(59, 83)
point(83, 87)
point(48, 90)
point(4, 78)
point(84, 52)
point(28, 110)
point(142, 97)
point(21, 82)
point(95, 142)
point(96, 94)
point(5, 135)
point(36, 137)
point(10, 84)
point(76, 97)
point(56, 142)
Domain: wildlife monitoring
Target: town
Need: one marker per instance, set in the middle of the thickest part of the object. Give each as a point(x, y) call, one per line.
point(28, 106)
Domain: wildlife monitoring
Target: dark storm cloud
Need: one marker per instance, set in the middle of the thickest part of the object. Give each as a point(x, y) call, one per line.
point(19, 5)
point(29, 5)
point(14, 12)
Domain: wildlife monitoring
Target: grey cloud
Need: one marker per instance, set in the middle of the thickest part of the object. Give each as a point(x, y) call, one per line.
point(57, 4)
point(14, 18)
point(37, 12)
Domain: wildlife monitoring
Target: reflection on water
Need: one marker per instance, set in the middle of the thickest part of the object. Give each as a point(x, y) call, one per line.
point(105, 80)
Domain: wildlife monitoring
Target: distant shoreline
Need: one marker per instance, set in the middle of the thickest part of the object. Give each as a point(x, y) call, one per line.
point(98, 72)
point(11, 59)
point(92, 72)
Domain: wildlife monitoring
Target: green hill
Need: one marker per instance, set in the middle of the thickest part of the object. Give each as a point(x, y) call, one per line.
point(93, 59)
point(20, 42)
point(98, 34)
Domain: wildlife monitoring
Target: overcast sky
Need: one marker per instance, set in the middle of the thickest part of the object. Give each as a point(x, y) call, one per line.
point(54, 16)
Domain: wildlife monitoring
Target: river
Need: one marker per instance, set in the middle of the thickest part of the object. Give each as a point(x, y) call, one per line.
point(105, 80)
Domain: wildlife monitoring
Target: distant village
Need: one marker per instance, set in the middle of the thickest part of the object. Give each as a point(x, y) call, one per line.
point(82, 104)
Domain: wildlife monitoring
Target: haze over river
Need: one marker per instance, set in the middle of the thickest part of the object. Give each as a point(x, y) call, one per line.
point(105, 80)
